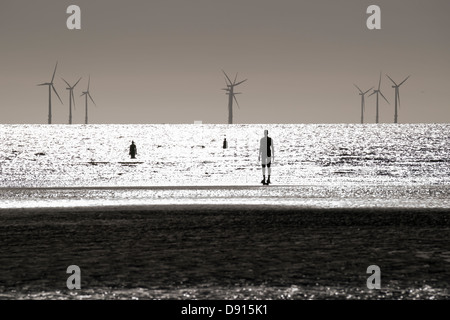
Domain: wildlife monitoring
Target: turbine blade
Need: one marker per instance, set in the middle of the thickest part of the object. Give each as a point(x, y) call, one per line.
point(240, 82)
point(236, 101)
point(76, 83)
point(91, 98)
point(227, 77)
point(391, 80)
point(53, 77)
point(404, 81)
point(57, 94)
point(235, 78)
point(384, 97)
point(42, 84)
point(372, 93)
point(89, 82)
point(358, 88)
point(379, 83)
point(398, 97)
point(367, 90)
point(66, 82)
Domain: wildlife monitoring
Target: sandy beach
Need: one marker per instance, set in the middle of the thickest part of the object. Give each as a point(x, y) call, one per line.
point(224, 252)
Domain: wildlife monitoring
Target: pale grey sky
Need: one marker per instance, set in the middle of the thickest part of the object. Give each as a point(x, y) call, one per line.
point(160, 61)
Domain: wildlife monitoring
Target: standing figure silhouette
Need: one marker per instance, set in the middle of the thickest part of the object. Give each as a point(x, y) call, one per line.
point(266, 156)
point(133, 150)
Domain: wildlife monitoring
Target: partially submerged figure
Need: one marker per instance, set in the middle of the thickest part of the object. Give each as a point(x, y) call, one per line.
point(133, 150)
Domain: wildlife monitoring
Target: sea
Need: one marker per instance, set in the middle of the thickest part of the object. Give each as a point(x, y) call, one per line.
point(384, 192)
point(324, 165)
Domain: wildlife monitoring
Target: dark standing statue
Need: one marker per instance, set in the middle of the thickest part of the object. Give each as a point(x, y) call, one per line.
point(133, 150)
point(266, 156)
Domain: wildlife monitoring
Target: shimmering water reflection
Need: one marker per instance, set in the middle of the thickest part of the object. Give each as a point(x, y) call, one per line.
point(187, 155)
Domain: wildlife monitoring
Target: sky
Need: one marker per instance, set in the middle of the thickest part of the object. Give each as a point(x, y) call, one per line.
point(161, 61)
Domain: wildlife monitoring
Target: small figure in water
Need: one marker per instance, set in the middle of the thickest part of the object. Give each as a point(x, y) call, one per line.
point(133, 150)
point(225, 143)
point(266, 155)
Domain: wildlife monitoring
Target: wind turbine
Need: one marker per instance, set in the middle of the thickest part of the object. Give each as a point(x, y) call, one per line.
point(397, 95)
point(378, 92)
point(362, 94)
point(231, 95)
point(86, 94)
point(50, 87)
point(71, 97)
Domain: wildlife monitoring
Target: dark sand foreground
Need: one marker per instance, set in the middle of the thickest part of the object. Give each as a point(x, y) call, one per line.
point(182, 247)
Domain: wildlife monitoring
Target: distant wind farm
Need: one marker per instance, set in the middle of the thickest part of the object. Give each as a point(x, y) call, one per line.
point(71, 88)
point(378, 92)
point(229, 91)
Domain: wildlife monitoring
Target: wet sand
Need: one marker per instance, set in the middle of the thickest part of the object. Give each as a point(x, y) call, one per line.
point(190, 247)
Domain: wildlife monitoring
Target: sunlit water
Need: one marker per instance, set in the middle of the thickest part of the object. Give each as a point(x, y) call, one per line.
point(325, 165)
point(322, 166)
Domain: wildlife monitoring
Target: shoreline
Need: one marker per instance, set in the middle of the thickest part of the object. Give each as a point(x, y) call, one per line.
point(329, 184)
point(157, 187)
point(218, 208)
point(368, 196)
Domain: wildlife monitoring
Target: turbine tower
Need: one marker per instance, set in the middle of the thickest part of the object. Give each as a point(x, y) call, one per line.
point(397, 95)
point(50, 87)
point(378, 92)
point(231, 95)
point(86, 94)
point(362, 94)
point(71, 97)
